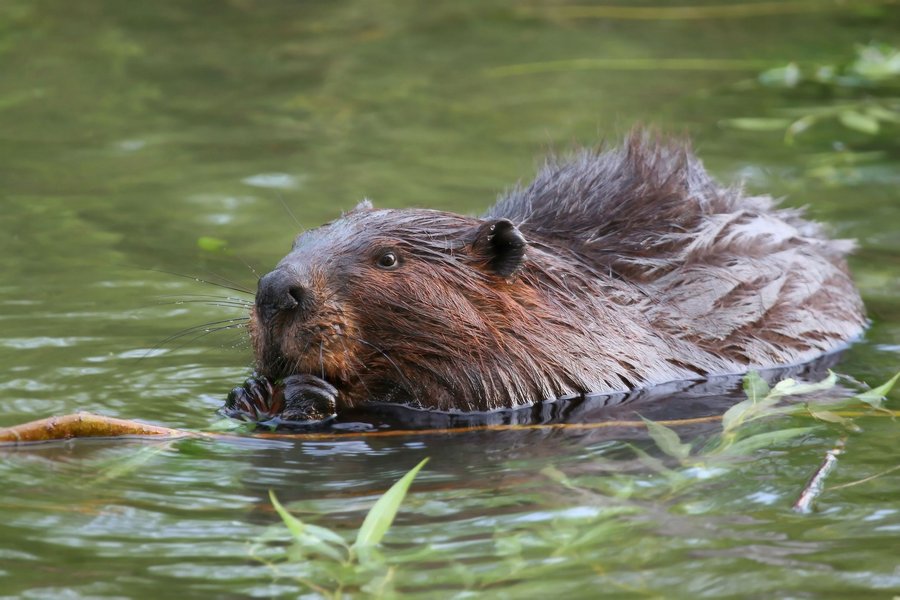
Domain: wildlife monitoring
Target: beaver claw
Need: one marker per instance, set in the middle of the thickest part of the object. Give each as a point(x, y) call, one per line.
point(297, 399)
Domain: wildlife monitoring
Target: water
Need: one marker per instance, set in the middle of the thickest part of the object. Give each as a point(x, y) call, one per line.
point(131, 132)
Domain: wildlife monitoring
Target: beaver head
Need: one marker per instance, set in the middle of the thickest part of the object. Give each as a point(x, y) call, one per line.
point(387, 304)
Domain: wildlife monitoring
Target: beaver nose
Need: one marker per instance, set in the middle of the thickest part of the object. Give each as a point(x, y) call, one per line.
point(281, 291)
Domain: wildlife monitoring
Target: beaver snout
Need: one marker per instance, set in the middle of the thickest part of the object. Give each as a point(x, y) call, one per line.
point(282, 292)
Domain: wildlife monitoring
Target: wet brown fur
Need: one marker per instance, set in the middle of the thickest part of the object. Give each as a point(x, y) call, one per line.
point(639, 269)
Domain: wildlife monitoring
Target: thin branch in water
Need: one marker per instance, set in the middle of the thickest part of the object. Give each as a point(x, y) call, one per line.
point(866, 479)
point(816, 483)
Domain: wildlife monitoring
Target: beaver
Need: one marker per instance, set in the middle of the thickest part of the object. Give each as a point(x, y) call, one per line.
point(615, 269)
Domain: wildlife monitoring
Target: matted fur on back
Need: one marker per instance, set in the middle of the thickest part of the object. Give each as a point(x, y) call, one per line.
point(730, 273)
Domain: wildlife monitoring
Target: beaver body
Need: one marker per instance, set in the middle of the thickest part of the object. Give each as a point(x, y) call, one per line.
point(612, 271)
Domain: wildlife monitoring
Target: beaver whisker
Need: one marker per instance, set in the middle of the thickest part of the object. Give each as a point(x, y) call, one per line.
point(234, 323)
point(234, 287)
point(240, 325)
point(355, 371)
point(221, 304)
point(216, 297)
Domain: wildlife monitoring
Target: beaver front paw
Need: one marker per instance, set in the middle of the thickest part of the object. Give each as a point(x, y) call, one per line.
point(308, 398)
point(297, 400)
point(257, 400)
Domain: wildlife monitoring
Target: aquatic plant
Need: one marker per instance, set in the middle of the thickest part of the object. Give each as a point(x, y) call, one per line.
point(861, 95)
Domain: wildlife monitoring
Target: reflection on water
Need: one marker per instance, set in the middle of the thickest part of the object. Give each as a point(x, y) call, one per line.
point(139, 140)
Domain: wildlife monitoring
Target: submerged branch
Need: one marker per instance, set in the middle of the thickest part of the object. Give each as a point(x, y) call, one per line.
point(816, 483)
point(83, 425)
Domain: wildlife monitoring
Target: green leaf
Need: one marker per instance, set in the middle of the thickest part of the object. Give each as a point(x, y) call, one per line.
point(857, 121)
point(382, 514)
point(667, 440)
point(875, 397)
point(830, 417)
point(791, 387)
point(798, 127)
point(756, 389)
point(763, 440)
point(755, 386)
point(883, 114)
point(786, 76)
point(324, 534)
point(735, 415)
point(558, 476)
point(757, 124)
point(211, 244)
point(294, 525)
point(309, 538)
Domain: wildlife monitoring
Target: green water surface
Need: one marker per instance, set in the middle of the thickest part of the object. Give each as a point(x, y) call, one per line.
point(138, 137)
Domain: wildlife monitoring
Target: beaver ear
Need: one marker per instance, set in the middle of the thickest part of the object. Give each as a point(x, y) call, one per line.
point(501, 246)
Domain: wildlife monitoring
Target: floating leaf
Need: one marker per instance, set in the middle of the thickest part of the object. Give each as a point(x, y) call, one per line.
point(308, 538)
point(786, 76)
point(875, 396)
point(211, 244)
point(667, 440)
point(791, 387)
point(882, 113)
point(757, 124)
point(831, 417)
point(798, 127)
point(762, 440)
point(294, 525)
point(385, 509)
point(755, 386)
point(558, 476)
point(857, 121)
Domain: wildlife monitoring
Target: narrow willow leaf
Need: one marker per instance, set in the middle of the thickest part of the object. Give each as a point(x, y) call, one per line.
point(324, 534)
point(883, 114)
point(120, 467)
point(735, 415)
point(755, 386)
point(309, 538)
point(791, 387)
point(831, 417)
point(667, 440)
point(762, 440)
point(857, 121)
point(211, 244)
point(875, 396)
point(757, 124)
point(558, 476)
point(382, 514)
point(798, 127)
point(786, 76)
point(294, 525)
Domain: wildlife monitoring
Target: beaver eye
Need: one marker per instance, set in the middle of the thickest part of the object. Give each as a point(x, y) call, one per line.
point(388, 260)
